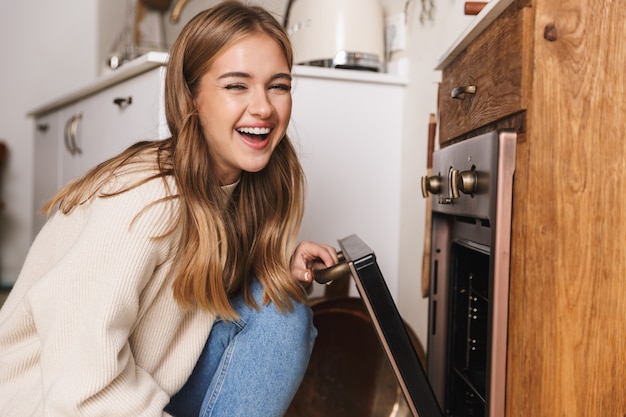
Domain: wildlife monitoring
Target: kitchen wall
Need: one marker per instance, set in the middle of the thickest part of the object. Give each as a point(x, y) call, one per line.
point(51, 48)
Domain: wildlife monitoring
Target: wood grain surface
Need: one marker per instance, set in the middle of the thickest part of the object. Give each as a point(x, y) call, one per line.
point(562, 64)
point(493, 63)
point(567, 351)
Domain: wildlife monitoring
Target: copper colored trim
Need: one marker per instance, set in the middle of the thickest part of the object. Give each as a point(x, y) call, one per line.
point(502, 259)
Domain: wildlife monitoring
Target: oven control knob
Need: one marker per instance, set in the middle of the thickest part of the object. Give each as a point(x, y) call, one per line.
point(431, 185)
point(463, 181)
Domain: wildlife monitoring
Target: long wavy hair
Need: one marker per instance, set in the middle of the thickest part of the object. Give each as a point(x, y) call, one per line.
point(225, 240)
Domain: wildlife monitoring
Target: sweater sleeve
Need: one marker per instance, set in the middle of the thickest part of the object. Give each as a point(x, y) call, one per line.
point(85, 307)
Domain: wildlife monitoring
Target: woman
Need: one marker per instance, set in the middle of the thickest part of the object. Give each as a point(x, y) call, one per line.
point(168, 279)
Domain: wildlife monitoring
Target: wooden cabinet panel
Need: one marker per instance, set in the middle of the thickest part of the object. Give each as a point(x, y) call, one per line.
point(568, 293)
point(566, 339)
point(493, 64)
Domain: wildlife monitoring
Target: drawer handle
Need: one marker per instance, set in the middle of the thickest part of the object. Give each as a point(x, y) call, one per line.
point(71, 128)
point(459, 92)
point(123, 102)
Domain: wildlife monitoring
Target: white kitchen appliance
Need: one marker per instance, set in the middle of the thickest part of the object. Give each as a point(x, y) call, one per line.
point(337, 33)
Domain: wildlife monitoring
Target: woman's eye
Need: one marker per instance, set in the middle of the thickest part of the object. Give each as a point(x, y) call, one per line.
point(235, 87)
point(281, 87)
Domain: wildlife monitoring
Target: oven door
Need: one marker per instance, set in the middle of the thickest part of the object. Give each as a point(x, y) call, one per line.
point(390, 328)
point(469, 273)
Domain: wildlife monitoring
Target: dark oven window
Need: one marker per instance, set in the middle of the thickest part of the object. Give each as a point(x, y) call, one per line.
point(468, 331)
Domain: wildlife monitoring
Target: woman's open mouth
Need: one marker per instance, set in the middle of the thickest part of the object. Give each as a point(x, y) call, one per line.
point(254, 133)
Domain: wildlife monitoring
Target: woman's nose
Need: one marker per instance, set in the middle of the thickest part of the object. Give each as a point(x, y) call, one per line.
point(260, 105)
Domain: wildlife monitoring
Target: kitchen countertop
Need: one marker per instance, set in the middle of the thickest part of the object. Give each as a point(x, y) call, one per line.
point(152, 60)
point(488, 14)
point(348, 75)
point(135, 67)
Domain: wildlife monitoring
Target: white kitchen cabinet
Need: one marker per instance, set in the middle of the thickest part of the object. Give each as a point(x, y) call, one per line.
point(347, 128)
point(46, 162)
point(102, 125)
point(83, 129)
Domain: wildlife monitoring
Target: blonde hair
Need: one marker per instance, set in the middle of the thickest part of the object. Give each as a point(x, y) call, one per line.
point(225, 242)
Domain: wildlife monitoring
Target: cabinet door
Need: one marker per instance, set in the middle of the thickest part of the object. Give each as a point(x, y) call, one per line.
point(352, 162)
point(46, 175)
point(71, 140)
point(99, 127)
point(126, 113)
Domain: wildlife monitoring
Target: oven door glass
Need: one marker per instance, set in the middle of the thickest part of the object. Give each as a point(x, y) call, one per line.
point(468, 337)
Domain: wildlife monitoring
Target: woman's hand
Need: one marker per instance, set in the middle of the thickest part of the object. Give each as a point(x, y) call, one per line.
point(309, 256)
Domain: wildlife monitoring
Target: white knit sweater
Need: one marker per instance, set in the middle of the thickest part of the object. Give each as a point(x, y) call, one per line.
point(91, 327)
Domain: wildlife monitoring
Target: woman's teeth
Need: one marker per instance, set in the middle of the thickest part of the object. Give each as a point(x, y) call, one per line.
point(254, 130)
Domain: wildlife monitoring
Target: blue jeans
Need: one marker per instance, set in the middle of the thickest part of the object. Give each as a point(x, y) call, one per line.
point(249, 367)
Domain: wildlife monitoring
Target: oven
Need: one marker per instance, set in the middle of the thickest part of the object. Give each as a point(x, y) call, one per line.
point(470, 189)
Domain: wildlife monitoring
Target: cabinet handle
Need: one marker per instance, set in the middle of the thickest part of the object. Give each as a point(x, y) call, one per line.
point(69, 135)
point(459, 92)
point(177, 10)
point(66, 135)
point(123, 102)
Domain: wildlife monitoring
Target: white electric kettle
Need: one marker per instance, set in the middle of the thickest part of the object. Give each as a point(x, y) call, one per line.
point(337, 33)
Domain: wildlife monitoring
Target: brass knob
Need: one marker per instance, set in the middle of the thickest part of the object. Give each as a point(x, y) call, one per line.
point(339, 270)
point(459, 92)
point(430, 185)
point(463, 181)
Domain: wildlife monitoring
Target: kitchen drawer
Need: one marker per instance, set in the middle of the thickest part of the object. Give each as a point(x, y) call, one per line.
point(74, 137)
point(110, 121)
point(494, 65)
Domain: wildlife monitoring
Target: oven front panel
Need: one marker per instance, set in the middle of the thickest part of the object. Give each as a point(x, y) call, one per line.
point(458, 342)
point(473, 161)
point(471, 192)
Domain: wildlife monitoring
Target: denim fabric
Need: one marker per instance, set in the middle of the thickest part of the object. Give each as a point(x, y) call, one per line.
point(251, 367)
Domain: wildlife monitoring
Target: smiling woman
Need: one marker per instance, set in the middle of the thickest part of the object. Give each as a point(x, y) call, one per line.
point(244, 103)
point(159, 259)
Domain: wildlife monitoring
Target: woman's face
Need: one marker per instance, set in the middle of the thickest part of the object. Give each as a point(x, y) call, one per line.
point(244, 103)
